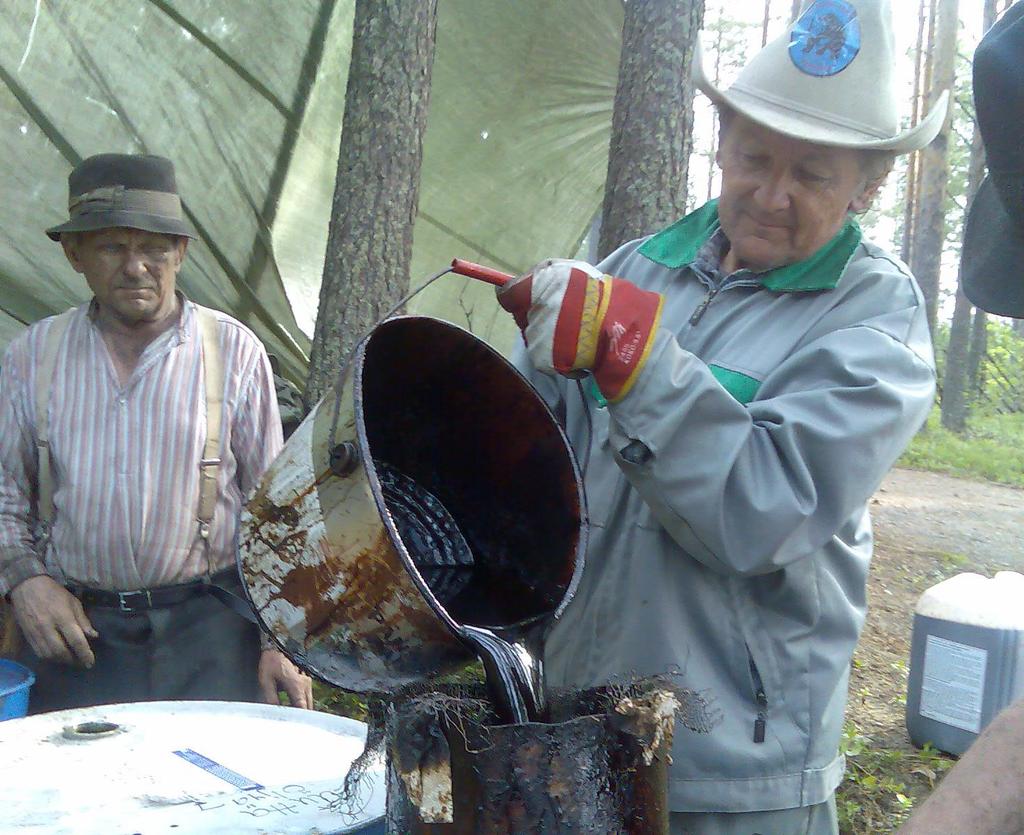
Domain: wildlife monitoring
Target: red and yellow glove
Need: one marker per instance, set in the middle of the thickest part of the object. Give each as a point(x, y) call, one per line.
point(575, 319)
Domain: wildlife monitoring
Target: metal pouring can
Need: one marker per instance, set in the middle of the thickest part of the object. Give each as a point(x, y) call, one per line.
point(329, 566)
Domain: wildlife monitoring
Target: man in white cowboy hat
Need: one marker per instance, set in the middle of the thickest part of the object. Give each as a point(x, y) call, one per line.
point(754, 371)
point(131, 428)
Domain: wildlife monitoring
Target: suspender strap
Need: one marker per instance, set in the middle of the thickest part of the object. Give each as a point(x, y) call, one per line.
point(213, 376)
point(44, 380)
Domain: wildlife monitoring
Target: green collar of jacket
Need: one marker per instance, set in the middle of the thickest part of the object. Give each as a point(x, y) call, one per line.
point(677, 246)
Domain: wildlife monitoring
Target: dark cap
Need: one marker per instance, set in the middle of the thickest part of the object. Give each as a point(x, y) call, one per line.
point(134, 191)
point(992, 260)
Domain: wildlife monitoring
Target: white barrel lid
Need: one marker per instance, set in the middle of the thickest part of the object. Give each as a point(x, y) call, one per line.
point(974, 600)
point(242, 768)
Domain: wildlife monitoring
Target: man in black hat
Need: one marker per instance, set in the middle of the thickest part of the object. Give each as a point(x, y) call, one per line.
point(131, 429)
point(984, 794)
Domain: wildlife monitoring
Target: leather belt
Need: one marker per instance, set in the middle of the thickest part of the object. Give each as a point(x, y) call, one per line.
point(142, 600)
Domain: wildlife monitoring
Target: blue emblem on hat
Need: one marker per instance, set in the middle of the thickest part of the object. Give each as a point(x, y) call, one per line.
point(826, 38)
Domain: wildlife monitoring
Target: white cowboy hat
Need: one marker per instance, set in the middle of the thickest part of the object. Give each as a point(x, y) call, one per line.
point(828, 80)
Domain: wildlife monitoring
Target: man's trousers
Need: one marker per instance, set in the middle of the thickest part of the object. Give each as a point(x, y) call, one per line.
point(196, 649)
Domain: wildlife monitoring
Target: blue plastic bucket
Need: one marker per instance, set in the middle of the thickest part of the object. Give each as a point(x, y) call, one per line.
point(15, 681)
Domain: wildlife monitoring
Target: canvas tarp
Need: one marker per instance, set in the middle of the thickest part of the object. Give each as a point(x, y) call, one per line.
point(247, 98)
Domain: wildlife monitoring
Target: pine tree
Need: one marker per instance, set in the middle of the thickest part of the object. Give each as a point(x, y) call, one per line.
point(652, 120)
point(376, 193)
point(930, 224)
point(910, 189)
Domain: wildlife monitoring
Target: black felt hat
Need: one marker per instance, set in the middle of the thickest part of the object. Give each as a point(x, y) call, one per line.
point(135, 191)
point(992, 261)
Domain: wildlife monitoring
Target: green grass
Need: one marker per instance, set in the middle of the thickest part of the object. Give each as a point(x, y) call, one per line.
point(882, 784)
point(992, 449)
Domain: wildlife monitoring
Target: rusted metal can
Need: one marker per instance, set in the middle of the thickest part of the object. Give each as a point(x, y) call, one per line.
point(322, 558)
point(451, 774)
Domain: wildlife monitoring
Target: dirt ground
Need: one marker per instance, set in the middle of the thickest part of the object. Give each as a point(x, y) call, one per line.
point(928, 527)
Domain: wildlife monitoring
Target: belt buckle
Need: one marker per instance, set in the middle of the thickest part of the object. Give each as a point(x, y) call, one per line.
point(123, 604)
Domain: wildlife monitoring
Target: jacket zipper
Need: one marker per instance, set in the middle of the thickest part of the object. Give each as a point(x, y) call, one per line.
point(761, 722)
point(713, 290)
point(703, 306)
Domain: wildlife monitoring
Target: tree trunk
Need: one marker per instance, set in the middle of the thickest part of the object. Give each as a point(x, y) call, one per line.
point(712, 155)
point(955, 381)
point(976, 353)
point(764, 25)
point(795, 11)
point(376, 193)
point(930, 228)
point(652, 121)
point(910, 190)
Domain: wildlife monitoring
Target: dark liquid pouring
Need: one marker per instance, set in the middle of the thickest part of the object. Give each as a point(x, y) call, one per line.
point(444, 560)
point(513, 674)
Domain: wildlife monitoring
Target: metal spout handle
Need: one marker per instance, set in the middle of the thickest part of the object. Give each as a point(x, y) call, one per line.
point(480, 272)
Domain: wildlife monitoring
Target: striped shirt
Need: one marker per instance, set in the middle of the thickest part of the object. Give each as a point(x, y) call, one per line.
point(126, 458)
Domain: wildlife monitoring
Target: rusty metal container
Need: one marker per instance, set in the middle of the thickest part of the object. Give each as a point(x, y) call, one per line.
point(322, 555)
point(588, 770)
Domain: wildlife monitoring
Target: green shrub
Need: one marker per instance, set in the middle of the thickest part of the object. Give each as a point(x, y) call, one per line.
point(341, 702)
point(356, 705)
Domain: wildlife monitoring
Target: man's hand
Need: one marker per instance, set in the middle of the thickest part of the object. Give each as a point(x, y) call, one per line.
point(53, 621)
point(573, 319)
point(277, 673)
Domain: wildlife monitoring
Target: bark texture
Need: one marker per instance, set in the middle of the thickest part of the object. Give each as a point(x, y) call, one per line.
point(930, 227)
point(376, 193)
point(652, 121)
point(910, 193)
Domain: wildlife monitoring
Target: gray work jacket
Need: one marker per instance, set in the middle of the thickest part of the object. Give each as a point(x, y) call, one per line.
point(734, 549)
